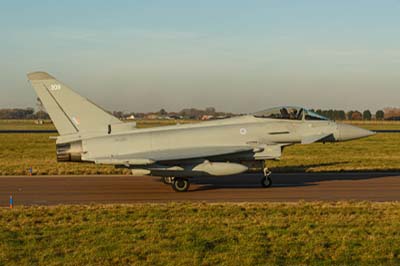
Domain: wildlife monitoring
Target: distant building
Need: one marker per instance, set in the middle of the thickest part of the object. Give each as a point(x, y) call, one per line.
point(151, 116)
point(164, 117)
point(206, 117)
point(222, 117)
point(131, 117)
point(393, 118)
point(175, 116)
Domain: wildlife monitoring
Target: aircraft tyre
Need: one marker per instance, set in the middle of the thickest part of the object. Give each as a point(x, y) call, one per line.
point(167, 180)
point(266, 181)
point(180, 184)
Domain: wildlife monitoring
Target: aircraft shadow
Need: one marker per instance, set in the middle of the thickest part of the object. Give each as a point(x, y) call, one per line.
point(280, 180)
point(303, 168)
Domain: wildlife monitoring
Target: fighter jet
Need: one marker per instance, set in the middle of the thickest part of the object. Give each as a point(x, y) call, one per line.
point(177, 153)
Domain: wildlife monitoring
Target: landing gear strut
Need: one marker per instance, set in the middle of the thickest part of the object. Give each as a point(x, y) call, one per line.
point(180, 184)
point(167, 180)
point(266, 181)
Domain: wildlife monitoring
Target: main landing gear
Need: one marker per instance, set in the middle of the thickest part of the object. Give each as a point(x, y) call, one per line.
point(179, 184)
point(167, 180)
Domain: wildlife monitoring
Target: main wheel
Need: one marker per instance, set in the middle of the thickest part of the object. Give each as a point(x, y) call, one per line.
point(180, 184)
point(266, 181)
point(167, 180)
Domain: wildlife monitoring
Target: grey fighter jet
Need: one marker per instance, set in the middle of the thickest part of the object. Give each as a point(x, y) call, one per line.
point(177, 153)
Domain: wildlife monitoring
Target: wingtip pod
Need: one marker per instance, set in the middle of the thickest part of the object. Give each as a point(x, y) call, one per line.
point(39, 75)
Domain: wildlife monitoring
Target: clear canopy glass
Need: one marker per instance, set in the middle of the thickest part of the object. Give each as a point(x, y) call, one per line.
point(310, 115)
point(289, 112)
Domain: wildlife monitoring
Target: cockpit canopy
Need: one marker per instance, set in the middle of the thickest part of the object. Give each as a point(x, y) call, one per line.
point(289, 112)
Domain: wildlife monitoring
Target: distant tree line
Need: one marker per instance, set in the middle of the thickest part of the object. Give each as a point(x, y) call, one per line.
point(389, 113)
point(351, 115)
point(187, 113)
point(19, 113)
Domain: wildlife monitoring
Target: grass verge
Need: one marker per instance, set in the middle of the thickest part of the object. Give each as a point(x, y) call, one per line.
point(343, 233)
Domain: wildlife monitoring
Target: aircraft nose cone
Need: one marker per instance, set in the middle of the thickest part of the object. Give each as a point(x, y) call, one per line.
point(348, 132)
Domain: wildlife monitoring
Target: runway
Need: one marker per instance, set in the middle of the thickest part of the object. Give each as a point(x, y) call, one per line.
point(53, 190)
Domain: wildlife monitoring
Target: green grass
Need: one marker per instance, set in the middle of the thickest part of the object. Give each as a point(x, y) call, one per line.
point(376, 125)
point(25, 125)
point(341, 233)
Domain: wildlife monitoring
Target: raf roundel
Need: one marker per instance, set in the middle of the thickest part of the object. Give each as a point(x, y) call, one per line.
point(243, 131)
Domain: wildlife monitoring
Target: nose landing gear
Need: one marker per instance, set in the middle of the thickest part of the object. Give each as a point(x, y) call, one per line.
point(266, 181)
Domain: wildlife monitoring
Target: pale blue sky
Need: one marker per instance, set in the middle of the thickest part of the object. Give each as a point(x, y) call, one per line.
point(237, 56)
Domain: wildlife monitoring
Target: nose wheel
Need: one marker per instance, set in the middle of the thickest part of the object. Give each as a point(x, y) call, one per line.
point(266, 181)
point(180, 184)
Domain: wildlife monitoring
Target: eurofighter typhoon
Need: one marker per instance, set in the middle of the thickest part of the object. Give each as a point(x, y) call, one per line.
point(177, 153)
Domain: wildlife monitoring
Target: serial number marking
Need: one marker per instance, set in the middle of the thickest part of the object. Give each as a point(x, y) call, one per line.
point(55, 87)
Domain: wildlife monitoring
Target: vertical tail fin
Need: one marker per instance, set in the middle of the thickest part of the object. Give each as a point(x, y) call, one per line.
point(70, 112)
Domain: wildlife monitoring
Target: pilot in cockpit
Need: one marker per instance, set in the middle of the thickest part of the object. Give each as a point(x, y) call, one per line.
point(284, 113)
point(293, 114)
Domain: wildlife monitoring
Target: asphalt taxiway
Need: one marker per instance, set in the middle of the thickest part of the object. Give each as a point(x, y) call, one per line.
point(53, 190)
